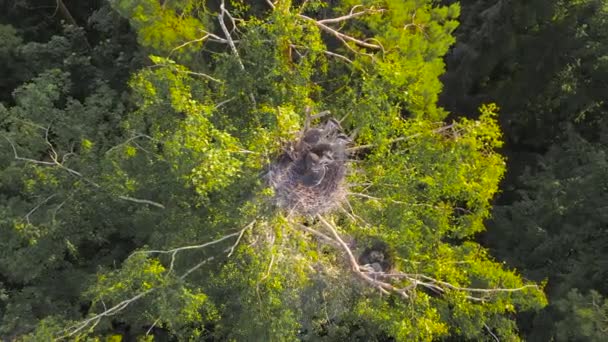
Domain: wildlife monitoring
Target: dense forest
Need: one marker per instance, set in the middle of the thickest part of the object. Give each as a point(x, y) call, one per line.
point(303, 170)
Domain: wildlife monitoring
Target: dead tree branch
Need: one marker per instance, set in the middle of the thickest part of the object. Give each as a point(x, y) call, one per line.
point(392, 141)
point(173, 252)
point(27, 216)
point(351, 15)
point(388, 282)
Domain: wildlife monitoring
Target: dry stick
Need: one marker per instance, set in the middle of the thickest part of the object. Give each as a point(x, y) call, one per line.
point(341, 36)
point(231, 42)
point(351, 15)
point(361, 147)
point(27, 216)
point(174, 251)
point(491, 333)
point(319, 234)
point(433, 284)
point(109, 312)
point(382, 286)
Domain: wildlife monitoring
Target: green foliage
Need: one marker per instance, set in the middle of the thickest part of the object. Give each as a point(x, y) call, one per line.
point(100, 191)
point(586, 317)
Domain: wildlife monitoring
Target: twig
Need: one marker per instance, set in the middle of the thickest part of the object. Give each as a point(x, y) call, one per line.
point(351, 15)
point(231, 41)
point(152, 326)
point(27, 216)
point(174, 251)
point(341, 36)
point(319, 234)
point(491, 333)
point(109, 312)
point(392, 141)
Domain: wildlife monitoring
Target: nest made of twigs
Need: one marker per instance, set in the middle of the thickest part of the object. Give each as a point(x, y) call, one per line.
point(308, 177)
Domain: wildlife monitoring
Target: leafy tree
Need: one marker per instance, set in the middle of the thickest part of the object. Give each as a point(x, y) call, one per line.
point(544, 64)
point(162, 218)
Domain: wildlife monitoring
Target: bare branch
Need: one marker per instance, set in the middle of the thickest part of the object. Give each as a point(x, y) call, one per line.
point(109, 312)
point(341, 36)
point(382, 280)
point(27, 216)
point(319, 234)
point(198, 40)
point(174, 251)
point(230, 41)
point(210, 78)
point(227, 34)
point(392, 141)
point(351, 15)
point(142, 201)
point(491, 333)
point(136, 136)
point(339, 56)
point(17, 157)
point(94, 320)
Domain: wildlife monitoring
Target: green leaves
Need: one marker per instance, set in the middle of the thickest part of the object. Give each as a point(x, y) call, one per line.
point(156, 199)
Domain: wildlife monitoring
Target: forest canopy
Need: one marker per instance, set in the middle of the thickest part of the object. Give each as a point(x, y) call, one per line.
point(265, 170)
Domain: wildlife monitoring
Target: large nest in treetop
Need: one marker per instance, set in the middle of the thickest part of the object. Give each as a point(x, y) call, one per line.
point(308, 177)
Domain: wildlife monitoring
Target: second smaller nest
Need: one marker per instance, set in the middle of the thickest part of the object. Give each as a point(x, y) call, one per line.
point(308, 177)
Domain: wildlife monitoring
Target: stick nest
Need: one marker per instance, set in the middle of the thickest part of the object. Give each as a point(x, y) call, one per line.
point(308, 177)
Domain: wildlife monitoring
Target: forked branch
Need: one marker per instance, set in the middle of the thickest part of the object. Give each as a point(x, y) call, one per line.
point(392, 282)
point(92, 321)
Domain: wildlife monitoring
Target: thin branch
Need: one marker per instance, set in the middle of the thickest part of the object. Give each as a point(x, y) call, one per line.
point(351, 15)
point(17, 157)
point(136, 136)
point(341, 36)
point(339, 56)
point(491, 333)
point(152, 326)
point(109, 312)
point(142, 201)
point(198, 40)
point(381, 279)
point(227, 34)
point(197, 266)
point(210, 78)
point(174, 251)
point(392, 141)
point(27, 216)
point(220, 17)
point(319, 235)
